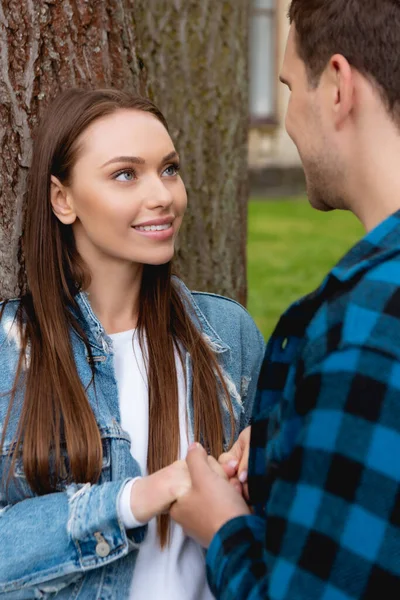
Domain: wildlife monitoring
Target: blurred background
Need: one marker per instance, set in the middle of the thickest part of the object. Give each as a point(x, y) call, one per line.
point(290, 246)
point(212, 67)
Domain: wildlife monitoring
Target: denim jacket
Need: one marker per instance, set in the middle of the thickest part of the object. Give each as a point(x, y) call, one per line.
point(72, 543)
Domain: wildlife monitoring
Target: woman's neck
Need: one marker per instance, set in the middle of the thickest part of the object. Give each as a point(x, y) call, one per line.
point(114, 295)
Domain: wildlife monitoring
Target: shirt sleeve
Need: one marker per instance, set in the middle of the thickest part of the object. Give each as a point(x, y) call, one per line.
point(331, 520)
point(127, 517)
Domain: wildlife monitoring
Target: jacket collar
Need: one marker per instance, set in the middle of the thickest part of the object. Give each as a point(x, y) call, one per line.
point(199, 318)
point(89, 321)
point(99, 339)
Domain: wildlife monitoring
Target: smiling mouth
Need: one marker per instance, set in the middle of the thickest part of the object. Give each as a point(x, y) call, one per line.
point(153, 227)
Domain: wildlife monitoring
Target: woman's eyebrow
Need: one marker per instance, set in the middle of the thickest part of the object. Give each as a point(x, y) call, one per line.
point(170, 156)
point(131, 159)
point(138, 160)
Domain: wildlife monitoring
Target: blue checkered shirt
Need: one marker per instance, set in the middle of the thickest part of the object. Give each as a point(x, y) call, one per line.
point(324, 468)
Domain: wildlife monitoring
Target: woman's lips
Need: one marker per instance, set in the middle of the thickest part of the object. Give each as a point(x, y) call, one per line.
point(156, 232)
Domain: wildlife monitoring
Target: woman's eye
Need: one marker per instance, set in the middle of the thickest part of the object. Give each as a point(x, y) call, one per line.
point(172, 170)
point(125, 176)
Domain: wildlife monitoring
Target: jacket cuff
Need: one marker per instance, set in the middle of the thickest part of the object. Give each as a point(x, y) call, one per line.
point(95, 527)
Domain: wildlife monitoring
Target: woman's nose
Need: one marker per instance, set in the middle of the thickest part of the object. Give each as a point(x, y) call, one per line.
point(158, 193)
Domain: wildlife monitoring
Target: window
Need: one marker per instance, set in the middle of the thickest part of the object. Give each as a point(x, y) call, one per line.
point(263, 61)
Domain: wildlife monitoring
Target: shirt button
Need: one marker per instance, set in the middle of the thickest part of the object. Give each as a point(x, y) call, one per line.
point(285, 342)
point(102, 549)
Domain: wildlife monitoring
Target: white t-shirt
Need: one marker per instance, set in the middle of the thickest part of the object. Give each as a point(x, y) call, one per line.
point(177, 572)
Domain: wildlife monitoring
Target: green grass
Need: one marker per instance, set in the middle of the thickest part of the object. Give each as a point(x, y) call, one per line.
point(291, 247)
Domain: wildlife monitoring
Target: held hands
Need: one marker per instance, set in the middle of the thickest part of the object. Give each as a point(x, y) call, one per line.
point(235, 462)
point(200, 493)
point(154, 494)
point(209, 502)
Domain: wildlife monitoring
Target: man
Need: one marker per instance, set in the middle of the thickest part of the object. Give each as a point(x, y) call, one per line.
point(324, 467)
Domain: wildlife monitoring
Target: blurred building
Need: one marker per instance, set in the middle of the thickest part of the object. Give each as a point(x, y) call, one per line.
point(274, 162)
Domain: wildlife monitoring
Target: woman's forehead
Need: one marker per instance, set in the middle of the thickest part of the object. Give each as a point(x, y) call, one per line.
point(125, 132)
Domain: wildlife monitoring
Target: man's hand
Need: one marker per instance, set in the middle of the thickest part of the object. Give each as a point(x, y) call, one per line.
point(210, 503)
point(235, 462)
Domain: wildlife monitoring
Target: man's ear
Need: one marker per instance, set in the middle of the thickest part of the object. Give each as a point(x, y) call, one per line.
point(61, 202)
point(342, 78)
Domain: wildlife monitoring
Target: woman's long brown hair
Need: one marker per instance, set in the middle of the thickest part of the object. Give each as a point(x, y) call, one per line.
point(56, 417)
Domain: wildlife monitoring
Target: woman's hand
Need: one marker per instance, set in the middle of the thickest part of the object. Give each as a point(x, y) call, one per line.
point(209, 503)
point(235, 462)
point(154, 494)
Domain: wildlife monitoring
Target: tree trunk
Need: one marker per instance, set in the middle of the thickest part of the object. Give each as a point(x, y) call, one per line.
point(193, 55)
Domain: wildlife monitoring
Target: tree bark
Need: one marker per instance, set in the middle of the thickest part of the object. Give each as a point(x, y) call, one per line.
point(190, 56)
point(195, 57)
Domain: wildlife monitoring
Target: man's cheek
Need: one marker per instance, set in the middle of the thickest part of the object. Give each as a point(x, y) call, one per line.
point(289, 123)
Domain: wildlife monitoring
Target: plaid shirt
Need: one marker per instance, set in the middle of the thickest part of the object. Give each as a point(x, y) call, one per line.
point(324, 468)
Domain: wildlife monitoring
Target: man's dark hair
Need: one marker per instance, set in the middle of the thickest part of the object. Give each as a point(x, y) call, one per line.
point(365, 32)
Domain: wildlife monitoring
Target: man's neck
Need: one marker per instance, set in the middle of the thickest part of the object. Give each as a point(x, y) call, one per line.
point(373, 178)
point(374, 190)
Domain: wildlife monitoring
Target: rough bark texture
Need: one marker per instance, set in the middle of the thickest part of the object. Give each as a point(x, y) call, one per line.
point(192, 55)
point(46, 46)
point(195, 58)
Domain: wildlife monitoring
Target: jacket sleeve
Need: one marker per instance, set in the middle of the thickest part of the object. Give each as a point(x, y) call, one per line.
point(49, 541)
point(330, 521)
point(254, 350)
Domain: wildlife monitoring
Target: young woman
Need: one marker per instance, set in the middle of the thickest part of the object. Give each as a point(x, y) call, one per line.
point(109, 366)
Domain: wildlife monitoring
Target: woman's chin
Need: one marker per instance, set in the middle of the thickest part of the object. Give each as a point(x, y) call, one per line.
point(157, 261)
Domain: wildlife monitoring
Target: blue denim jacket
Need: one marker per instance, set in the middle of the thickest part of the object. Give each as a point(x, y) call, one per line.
point(71, 543)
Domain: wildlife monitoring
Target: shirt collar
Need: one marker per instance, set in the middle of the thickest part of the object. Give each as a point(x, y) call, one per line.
point(378, 245)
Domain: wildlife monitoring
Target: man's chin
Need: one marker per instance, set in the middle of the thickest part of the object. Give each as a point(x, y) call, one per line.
point(319, 202)
point(320, 205)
